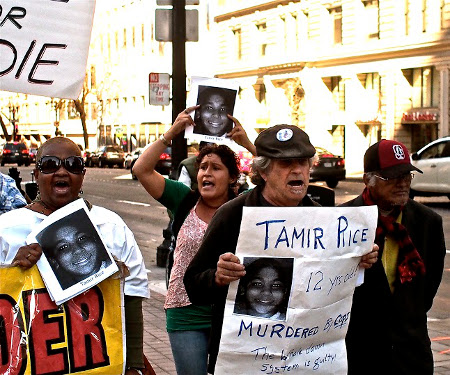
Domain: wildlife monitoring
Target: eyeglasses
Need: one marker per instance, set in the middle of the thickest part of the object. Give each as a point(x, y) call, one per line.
point(50, 164)
point(404, 177)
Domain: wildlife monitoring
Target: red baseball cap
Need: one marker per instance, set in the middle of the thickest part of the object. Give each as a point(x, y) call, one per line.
point(388, 158)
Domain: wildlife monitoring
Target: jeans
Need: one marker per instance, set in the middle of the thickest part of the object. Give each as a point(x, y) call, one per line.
point(190, 351)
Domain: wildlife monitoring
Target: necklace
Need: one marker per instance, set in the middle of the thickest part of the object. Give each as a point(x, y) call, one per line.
point(43, 205)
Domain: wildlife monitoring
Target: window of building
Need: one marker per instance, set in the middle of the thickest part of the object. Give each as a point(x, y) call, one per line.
point(424, 16)
point(124, 38)
point(93, 77)
point(336, 87)
point(307, 25)
point(296, 30)
point(424, 86)
point(143, 38)
point(237, 34)
point(336, 19)
point(262, 38)
point(372, 18)
point(116, 37)
point(406, 15)
point(109, 45)
point(442, 14)
point(133, 36)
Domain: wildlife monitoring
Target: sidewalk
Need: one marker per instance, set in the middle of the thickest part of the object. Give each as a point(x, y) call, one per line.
point(157, 346)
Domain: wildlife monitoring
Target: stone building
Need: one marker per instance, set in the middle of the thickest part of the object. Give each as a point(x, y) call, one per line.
point(349, 72)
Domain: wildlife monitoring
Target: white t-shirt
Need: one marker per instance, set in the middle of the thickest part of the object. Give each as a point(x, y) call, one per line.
point(17, 224)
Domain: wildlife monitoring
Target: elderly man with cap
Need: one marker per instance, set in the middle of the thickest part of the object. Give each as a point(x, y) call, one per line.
point(399, 289)
point(281, 174)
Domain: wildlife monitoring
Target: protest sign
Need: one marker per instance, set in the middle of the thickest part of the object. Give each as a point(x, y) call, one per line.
point(83, 336)
point(291, 310)
point(217, 98)
point(74, 257)
point(44, 46)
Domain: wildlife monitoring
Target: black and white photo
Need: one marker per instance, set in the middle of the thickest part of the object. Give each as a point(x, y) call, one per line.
point(265, 289)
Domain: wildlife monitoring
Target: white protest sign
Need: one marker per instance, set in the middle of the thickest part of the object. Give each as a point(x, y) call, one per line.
point(290, 313)
point(44, 46)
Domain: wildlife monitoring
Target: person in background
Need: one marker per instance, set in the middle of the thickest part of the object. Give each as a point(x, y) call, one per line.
point(10, 196)
point(399, 289)
point(189, 324)
point(59, 174)
point(281, 175)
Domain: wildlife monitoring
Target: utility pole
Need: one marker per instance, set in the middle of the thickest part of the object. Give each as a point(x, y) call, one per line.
point(179, 144)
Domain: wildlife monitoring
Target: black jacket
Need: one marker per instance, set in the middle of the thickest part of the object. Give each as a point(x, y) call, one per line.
point(220, 237)
point(388, 331)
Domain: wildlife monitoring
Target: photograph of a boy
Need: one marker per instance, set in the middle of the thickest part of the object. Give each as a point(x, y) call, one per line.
point(265, 289)
point(211, 117)
point(73, 249)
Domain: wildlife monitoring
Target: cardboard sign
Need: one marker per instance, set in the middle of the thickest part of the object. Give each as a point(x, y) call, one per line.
point(44, 46)
point(291, 310)
point(82, 336)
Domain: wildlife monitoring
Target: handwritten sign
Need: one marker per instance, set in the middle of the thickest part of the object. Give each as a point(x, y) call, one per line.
point(81, 336)
point(44, 46)
point(290, 313)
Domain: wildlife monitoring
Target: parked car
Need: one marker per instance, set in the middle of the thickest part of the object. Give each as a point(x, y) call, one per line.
point(163, 166)
point(33, 152)
point(108, 155)
point(87, 157)
point(15, 152)
point(434, 161)
point(132, 156)
point(329, 168)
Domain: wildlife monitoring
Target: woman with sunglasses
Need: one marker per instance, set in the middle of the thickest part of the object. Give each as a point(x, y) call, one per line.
point(188, 325)
point(59, 174)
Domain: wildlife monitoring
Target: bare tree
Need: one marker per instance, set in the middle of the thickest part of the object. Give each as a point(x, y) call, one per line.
point(80, 106)
point(8, 137)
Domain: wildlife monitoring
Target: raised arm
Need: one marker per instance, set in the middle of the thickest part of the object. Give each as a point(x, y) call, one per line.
point(144, 168)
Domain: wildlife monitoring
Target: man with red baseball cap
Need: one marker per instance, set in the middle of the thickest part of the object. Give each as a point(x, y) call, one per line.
point(399, 289)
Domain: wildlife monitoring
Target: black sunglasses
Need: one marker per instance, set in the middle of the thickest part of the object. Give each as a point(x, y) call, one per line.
point(50, 164)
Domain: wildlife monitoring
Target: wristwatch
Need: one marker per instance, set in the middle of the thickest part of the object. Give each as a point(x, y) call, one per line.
point(139, 371)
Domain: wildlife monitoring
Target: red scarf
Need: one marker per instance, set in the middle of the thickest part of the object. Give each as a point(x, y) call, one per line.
point(410, 260)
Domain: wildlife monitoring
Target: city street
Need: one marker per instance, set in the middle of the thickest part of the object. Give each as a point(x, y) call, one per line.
point(115, 190)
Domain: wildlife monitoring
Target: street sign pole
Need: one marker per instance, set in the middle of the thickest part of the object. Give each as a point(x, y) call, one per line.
point(179, 145)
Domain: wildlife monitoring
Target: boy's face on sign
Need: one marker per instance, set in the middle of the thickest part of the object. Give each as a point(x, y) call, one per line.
point(213, 115)
point(76, 251)
point(265, 292)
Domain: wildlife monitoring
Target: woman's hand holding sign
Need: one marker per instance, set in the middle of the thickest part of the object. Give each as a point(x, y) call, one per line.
point(229, 268)
point(239, 135)
point(27, 256)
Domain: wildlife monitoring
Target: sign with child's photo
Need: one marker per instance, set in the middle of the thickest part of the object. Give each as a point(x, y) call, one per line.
point(291, 310)
point(216, 98)
point(74, 257)
point(85, 335)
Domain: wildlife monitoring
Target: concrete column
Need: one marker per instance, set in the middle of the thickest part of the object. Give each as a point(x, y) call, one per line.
point(444, 101)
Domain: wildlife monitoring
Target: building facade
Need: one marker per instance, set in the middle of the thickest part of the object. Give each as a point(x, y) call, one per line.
point(349, 72)
point(123, 52)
